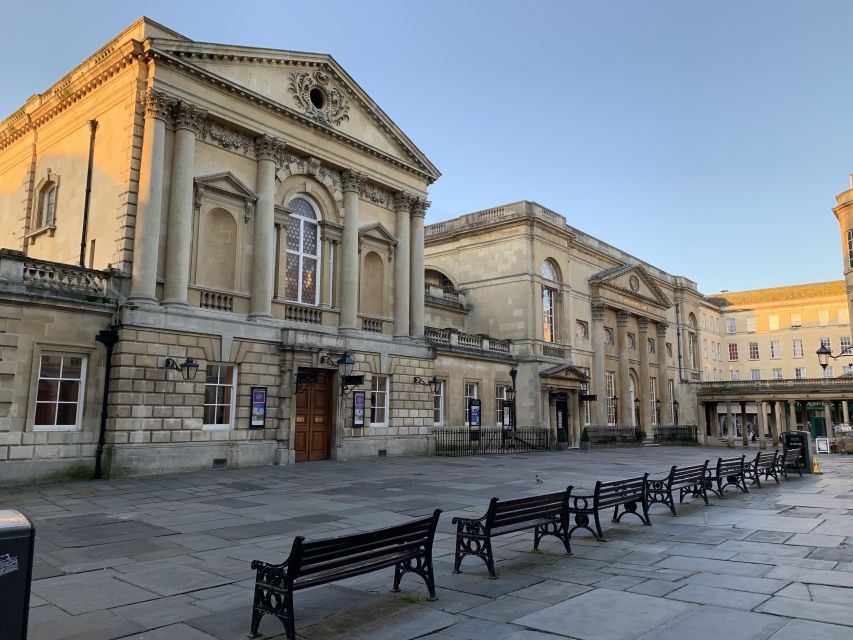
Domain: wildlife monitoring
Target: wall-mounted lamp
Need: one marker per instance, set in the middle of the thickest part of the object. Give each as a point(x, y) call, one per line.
point(675, 412)
point(188, 367)
point(825, 353)
point(345, 364)
point(434, 384)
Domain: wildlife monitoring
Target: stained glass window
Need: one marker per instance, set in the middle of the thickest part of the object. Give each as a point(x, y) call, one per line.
point(303, 253)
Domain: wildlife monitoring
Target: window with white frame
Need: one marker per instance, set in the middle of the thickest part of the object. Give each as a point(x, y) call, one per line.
point(610, 392)
point(46, 211)
point(796, 348)
point(777, 374)
point(846, 345)
point(775, 349)
point(670, 387)
point(731, 325)
point(471, 393)
point(379, 401)
point(220, 389)
point(303, 252)
point(800, 373)
point(500, 400)
point(438, 406)
point(753, 351)
point(796, 320)
point(750, 325)
point(773, 322)
point(548, 327)
point(826, 342)
point(732, 352)
point(847, 369)
point(653, 396)
point(755, 374)
point(59, 394)
point(734, 375)
point(823, 317)
point(850, 248)
point(827, 372)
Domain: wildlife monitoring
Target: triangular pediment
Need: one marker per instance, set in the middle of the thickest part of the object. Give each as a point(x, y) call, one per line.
point(225, 183)
point(566, 371)
point(377, 231)
point(313, 86)
point(634, 281)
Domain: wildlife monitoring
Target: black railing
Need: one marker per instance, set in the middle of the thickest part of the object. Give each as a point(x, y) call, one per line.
point(614, 435)
point(676, 433)
point(465, 441)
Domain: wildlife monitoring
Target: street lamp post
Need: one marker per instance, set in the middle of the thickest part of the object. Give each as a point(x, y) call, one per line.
point(512, 391)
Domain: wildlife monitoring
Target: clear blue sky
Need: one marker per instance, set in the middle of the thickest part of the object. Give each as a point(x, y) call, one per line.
point(708, 138)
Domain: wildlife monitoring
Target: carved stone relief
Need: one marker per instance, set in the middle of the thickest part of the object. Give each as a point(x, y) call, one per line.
point(318, 98)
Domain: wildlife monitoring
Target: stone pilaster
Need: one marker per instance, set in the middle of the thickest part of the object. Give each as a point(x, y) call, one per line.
point(663, 375)
point(402, 263)
point(352, 182)
point(146, 242)
point(416, 273)
point(189, 120)
point(644, 392)
point(626, 402)
point(599, 386)
point(268, 151)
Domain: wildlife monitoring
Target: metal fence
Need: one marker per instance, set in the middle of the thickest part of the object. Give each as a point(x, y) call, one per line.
point(676, 433)
point(614, 435)
point(465, 441)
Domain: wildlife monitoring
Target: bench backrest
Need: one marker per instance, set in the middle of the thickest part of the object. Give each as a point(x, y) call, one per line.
point(730, 466)
point(765, 459)
point(608, 494)
point(362, 552)
point(504, 513)
point(792, 456)
point(688, 475)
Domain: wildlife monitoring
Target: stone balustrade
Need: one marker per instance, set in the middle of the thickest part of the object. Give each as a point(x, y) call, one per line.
point(19, 273)
point(454, 339)
point(373, 325)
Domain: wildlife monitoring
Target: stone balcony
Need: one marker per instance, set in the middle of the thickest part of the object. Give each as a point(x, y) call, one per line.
point(475, 343)
point(444, 297)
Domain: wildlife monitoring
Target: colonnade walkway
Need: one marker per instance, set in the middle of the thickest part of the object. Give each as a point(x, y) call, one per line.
point(168, 557)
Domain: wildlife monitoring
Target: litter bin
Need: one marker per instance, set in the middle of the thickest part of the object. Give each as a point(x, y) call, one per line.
point(17, 536)
point(802, 439)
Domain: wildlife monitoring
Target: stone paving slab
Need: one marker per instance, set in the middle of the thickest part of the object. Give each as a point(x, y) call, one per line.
point(168, 556)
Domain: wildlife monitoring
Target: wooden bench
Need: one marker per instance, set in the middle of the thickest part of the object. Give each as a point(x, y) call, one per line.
point(543, 514)
point(729, 472)
point(763, 465)
point(406, 547)
point(687, 480)
point(787, 459)
point(627, 494)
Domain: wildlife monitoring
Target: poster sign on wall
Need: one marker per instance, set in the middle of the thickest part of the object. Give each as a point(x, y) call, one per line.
point(358, 409)
point(259, 407)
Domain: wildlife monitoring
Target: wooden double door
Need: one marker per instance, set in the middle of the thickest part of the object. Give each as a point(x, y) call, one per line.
point(313, 427)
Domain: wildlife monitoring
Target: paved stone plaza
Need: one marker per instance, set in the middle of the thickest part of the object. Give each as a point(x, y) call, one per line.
point(163, 558)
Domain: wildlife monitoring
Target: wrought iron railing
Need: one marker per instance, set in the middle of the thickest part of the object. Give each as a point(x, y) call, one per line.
point(612, 434)
point(470, 441)
point(676, 433)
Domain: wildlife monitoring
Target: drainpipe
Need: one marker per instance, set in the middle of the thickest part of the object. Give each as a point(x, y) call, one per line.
point(108, 338)
point(93, 127)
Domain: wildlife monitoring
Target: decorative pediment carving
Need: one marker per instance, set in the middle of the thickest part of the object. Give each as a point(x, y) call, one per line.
point(633, 283)
point(563, 375)
point(225, 184)
point(319, 98)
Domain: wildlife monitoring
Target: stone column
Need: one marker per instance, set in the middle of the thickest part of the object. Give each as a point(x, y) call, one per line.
point(577, 409)
point(663, 377)
point(743, 430)
point(326, 272)
point(643, 392)
point(827, 417)
point(267, 150)
point(352, 182)
point(626, 404)
point(189, 120)
point(730, 424)
point(780, 416)
point(845, 412)
point(761, 423)
point(599, 386)
point(146, 241)
point(792, 416)
point(402, 264)
point(416, 273)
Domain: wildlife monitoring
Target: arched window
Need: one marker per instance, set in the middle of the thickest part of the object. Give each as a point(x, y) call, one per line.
point(549, 295)
point(46, 206)
point(303, 252)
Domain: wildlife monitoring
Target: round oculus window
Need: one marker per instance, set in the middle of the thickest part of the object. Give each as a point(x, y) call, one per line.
point(318, 98)
point(608, 336)
point(634, 283)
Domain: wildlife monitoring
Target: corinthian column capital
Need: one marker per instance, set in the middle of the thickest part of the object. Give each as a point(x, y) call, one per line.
point(419, 206)
point(188, 116)
point(156, 104)
point(352, 180)
point(598, 310)
point(642, 325)
point(622, 318)
point(661, 329)
point(403, 201)
point(268, 148)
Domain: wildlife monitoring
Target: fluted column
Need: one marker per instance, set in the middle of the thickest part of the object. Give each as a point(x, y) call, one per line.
point(599, 386)
point(643, 392)
point(626, 404)
point(267, 149)
point(402, 263)
point(188, 123)
point(663, 378)
point(352, 182)
point(149, 204)
point(416, 273)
